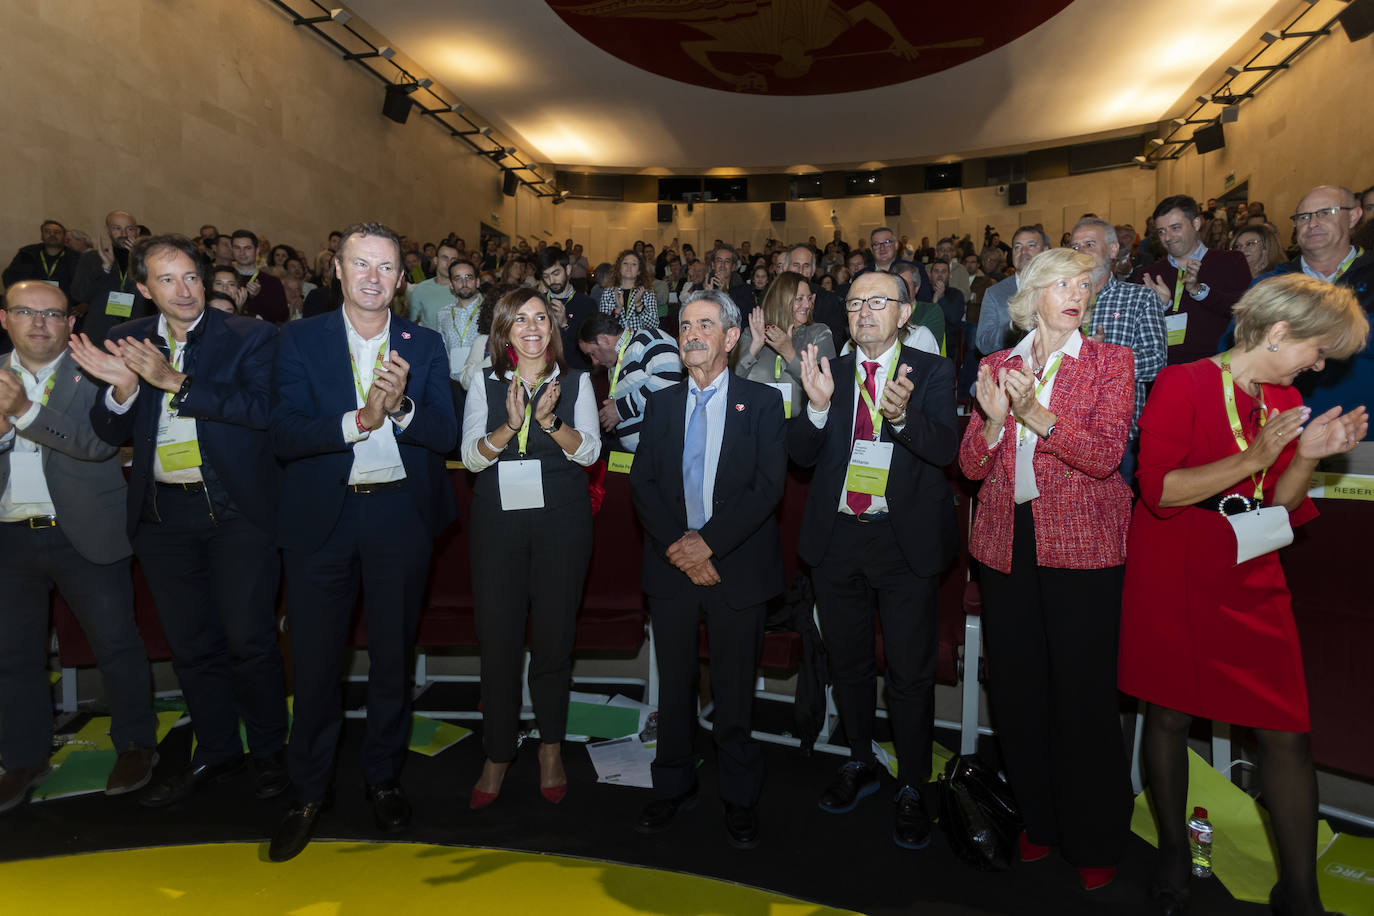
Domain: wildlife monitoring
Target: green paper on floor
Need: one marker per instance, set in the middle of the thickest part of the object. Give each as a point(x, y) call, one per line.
point(886, 752)
point(95, 736)
point(1242, 852)
point(596, 721)
point(81, 773)
point(430, 736)
point(1345, 875)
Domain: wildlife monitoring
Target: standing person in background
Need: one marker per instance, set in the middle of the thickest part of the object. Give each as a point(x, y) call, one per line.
point(568, 307)
point(102, 290)
point(48, 261)
point(428, 298)
point(266, 298)
point(628, 296)
point(779, 331)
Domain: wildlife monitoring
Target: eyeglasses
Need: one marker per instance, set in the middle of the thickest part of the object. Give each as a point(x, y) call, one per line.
point(1302, 219)
point(884, 242)
point(874, 303)
point(28, 313)
point(1248, 243)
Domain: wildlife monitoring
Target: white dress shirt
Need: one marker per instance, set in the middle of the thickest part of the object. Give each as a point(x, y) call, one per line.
point(376, 457)
point(31, 498)
point(1026, 488)
point(585, 420)
point(715, 432)
point(818, 417)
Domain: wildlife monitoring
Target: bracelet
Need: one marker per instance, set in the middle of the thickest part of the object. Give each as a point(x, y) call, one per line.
point(514, 429)
point(487, 440)
point(358, 418)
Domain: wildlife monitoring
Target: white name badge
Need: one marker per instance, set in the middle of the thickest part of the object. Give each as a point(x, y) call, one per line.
point(177, 448)
point(120, 305)
point(457, 359)
point(522, 485)
point(1260, 531)
point(869, 464)
point(27, 483)
point(1177, 327)
point(785, 388)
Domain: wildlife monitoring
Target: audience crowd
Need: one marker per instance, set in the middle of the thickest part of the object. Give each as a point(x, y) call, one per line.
point(1124, 392)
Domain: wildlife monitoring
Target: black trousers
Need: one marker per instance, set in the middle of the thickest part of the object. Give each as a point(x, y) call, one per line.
point(735, 636)
point(864, 561)
point(380, 543)
point(528, 563)
point(101, 597)
point(215, 584)
point(1051, 649)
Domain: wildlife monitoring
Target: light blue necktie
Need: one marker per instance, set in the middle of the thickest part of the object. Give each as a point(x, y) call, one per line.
point(694, 461)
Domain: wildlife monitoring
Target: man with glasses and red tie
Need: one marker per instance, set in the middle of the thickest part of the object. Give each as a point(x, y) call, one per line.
point(879, 428)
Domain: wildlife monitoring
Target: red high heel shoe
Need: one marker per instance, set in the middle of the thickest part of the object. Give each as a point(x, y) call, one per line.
point(481, 799)
point(1030, 852)
point(554, 794)
point(1095, 878)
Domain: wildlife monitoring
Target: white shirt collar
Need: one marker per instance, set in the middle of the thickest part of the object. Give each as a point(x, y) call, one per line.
point(353, 332)
point(1023, 349)
point(43, 371)
point(1199, 252)
point(884, 359)
point(1331, 277)
point(166, 335)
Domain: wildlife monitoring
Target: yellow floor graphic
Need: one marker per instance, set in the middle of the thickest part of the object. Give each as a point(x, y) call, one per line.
point(360, 879)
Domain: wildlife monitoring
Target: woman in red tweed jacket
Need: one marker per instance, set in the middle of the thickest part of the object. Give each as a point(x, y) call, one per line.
point(1050, 531)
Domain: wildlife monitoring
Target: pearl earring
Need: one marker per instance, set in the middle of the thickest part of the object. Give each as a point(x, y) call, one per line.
point(1274, 348)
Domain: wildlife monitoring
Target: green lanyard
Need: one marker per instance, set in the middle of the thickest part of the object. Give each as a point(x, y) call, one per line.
point(873, 410)
point(172, 361)
point(1050, 373)
point(47, 389)
point(48, 271)
point(619, 358)
point(1228, 391)
point(1345, 265)
point(357, 380)
point(523, 437)
point(1178, 288)
point(453, 316)
point(777, 371)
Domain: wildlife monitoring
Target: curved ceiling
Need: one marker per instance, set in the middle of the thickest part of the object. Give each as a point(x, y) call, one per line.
point(643, 93)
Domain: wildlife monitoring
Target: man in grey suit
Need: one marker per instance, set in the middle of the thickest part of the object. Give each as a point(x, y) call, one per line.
point(994, 323)
point(62, 512)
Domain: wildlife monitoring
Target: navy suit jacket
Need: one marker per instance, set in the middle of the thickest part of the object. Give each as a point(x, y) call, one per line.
point(743, 530)
point(230, 400)
point(311, 392)
point(920, 504)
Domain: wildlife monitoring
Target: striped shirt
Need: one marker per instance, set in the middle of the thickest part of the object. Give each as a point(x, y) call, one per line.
point(651, 362)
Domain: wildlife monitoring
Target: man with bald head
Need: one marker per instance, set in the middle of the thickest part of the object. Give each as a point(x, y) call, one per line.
point(829, 308)
point(102, 288)
point(62, 513)
point(879, 430)
point(49, 260)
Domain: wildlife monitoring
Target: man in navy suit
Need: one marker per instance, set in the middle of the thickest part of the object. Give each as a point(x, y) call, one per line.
point(362, 417)
point(879, 520)
point(190, 387)
point(707, 480)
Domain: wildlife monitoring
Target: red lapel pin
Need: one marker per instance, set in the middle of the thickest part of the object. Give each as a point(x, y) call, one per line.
point(405, 335)
point(739, 407)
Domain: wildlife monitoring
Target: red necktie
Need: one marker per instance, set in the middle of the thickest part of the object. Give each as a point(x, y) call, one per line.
point(863, 430)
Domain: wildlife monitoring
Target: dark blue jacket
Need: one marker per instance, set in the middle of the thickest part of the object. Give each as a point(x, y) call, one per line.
point(313, 389)
point(229, 359)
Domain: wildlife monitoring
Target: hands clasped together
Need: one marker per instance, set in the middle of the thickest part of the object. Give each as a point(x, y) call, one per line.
point(123, 362)
point(1010, 390)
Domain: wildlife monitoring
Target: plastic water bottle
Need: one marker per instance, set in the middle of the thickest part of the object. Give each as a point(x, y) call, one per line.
point(1200, 843)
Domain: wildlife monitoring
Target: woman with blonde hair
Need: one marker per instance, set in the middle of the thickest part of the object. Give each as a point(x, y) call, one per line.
point(1227, 451)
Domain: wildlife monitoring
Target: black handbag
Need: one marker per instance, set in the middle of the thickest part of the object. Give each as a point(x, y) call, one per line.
point(978, 813)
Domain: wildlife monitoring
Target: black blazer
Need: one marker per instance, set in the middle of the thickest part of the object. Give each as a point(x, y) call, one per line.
point(313, 389)
point(918, 496)
point(743, 530)
point(229, 398)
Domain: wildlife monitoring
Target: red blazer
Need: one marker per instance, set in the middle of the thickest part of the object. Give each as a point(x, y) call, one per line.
point(1084, 507)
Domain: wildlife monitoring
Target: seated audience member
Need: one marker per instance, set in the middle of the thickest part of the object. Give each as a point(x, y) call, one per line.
point(722, 274)
point(295, 300)
point(706, 485)
point(225, 281)
point(1196, 285)
point(296, 267)
point(629, 297)
point(1053, 420)
point(426, 299)
point(102, 288)
point(266, 298)
point(1203, 633)
point(49, 260)
point(479, 352)
point(951, 304)
point(759, 278)
point(324, 298)
point(78, 241)
point(1364, 232)
point(62, 506)
point(529, 429)
point(223, 302)
point(1260, 245)
point(779, 331)
point(457, 322)
point(578, 268)
point(601, 281)
point(924, 312)
point(638, 363)
point(276, 260)
point(568, 307)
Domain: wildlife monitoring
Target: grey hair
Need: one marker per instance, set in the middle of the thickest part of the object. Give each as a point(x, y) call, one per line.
point(1107, 229)
point(729, 312)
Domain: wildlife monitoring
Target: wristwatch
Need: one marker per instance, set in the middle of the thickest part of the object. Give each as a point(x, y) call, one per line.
point(1050, 432)
point(175, 402)
point(555, 426)
point(407, 405)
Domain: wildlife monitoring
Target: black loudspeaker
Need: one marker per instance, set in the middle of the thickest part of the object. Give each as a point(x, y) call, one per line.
point(1358, 19)
point(892, 206)
point(777, 212)
point(1016, 194)
point(665, 213)
point(1209, 138)
point(396, 105)
point(509, 183)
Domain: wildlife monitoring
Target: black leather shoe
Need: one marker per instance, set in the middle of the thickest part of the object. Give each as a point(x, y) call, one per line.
point(742, 826)
point(172, 789)
point(659, 813)
point(269, 774)
point(389, 806)
point(911, 828)
point(1167, 900)
point(294, 832)
point(855, 781)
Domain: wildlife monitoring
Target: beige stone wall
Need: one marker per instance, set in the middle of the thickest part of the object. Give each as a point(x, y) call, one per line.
point(220, 112)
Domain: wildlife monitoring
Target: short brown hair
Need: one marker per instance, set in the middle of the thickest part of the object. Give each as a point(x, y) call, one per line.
point(1310, 307)
point(503, 319)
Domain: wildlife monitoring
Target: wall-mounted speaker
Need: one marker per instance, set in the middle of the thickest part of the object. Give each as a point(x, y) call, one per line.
point(509, 183)
point(1209, 138)
point(892, 206)
point(665, 213)
point(1358, 19)
point(1016, 194)
point(777, 212)
point(396, 104)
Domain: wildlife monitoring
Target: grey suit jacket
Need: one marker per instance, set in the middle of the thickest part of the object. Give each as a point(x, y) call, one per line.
point(83, 473)
point(994, 324)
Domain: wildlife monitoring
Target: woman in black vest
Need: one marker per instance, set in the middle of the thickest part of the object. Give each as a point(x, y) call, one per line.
point(528, 431)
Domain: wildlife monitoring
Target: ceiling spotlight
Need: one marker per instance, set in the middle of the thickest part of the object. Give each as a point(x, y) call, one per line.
point(1178, 122)
point(485, 131)
point(1235, 70)
point(565, 194)
point(1140, 159)
point(1270, 37)
point(1203, 99)
point(456, 108)
point(387, 52)
point(1156, 141)
point(424, 82)
point(341, 16)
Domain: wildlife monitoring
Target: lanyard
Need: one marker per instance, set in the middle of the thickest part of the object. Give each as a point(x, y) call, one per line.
point(175, 363)
point(254, 277)
point(777, 371)
point(48, 271)
point(1050, 372)
point(873, 409)
point(619, 358)
point(1178, 288)
point(523, 437)
point(1228, 391)
point(357, 380)
point(1345, 265)
point(453, 316)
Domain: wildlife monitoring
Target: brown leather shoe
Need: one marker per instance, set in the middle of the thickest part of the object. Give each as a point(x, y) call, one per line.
point(132, 770)
point(15, 784)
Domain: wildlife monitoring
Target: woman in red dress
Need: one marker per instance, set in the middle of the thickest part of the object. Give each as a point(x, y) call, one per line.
point(1203, 634)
